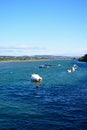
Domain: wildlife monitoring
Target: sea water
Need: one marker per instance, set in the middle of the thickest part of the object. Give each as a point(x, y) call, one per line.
point(59, 102)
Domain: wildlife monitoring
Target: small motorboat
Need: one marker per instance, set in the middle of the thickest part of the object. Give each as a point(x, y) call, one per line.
point(74, 68)
point(59, 64)
point(36, 78)
point(42, 66)
point(45, 66)
point(48, 65)
point(69, 70)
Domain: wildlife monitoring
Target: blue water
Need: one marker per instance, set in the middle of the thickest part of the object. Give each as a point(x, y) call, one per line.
point(60, 102)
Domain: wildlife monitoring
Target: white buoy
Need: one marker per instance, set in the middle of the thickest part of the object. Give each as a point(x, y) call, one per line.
point(36, 78)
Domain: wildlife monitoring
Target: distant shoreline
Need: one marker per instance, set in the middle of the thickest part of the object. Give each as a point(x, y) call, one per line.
point(25, 60)
point(34, 58)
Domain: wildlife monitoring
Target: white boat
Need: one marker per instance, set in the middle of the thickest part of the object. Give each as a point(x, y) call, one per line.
point(36, 78)
point(69, 70)
point(59, 64)
point(74, 68)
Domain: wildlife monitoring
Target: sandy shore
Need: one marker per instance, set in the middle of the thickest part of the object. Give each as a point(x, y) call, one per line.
point(26, 60)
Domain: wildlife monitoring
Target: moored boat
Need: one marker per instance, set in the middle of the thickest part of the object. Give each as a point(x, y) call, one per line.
point(73, 68)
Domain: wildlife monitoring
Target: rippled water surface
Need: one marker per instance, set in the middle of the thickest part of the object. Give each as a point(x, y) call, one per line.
point(60, 102)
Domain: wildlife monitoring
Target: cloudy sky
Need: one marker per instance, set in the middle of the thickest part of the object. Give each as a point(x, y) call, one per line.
point(35, 27)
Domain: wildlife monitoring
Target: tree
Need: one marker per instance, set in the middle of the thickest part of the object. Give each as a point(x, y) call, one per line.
point(83, 58)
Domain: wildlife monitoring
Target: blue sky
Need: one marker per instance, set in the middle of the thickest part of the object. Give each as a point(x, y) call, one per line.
point(39, 27)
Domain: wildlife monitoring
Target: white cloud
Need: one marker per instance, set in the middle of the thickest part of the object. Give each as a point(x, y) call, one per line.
point(20, 50)
point(21, 47)
point(77, 52)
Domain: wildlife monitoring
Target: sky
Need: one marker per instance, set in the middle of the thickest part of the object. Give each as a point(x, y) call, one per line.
point(43, 27)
